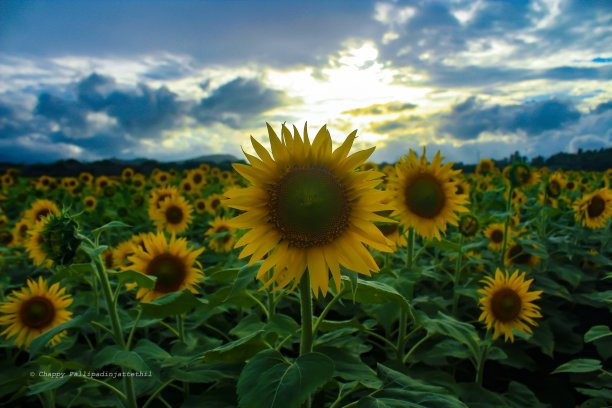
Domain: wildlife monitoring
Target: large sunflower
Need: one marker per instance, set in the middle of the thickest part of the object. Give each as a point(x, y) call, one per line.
point(173, 215)
point(34, 310)
point(507, 304)
point(425, 198)
point(39, 210)
point(593, 210)
point(172, 263)
point(307, 207)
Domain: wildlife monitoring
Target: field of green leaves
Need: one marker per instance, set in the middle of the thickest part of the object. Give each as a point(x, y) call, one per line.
point(308, 277)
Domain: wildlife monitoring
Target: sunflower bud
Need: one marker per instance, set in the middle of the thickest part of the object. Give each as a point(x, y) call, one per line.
point(60, 237)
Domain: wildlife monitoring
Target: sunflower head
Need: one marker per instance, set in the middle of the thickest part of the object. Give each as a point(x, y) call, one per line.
point(222, 235)
point(508, 304)
point(173, 214)
point(595, 209)
point(425, 198)
point(33, 311)
point(468, 225)
point(173, 264)
point(518, 255)
point(307, 208)
point(90, 203)
point(39, 210)
point(485, 167)
point(495, 233)
point(521, 175)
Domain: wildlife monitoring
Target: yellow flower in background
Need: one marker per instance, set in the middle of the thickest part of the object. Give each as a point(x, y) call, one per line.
point(517, 256)
point(33, 311)
point(508, 304)
point(486, 167)
point(39, 210)
point(197, 178)
point(307, 208)
point(156, 196)
point(200, 205)
point(424, 197)
point(221, 244)
point(173, 264)
point(521, 175)
point(495, 233)
point(214, 204)
point(20, 232)
point(595, 209)
point(127, 173)
point(35, 245)
point(90, 203)
point(173, 215)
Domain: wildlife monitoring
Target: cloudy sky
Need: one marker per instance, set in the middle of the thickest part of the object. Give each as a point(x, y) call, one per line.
point(178, 79)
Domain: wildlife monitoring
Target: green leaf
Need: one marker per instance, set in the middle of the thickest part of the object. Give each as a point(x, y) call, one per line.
point(579, 365)
point(349, 367)
point(171, 304)
point(110, 225)
point(41, 341)
point(375, 293)
point(445, 325)
point(143, 281)
point(245, 277)
point(269, 381)
point(596, 333)
point(116, 356)
point(237, 350)
point(47, 385)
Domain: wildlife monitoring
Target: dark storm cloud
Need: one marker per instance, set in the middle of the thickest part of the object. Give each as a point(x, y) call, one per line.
point(434, 30)
point(66, 113)
point(237, 102)
point(223, 32)
point(470, 118)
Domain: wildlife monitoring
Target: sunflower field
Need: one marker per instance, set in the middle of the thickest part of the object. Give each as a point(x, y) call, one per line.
point(307, 277)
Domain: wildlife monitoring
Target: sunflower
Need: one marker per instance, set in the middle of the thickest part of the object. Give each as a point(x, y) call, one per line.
point(33, 311)
point(468, 225)
point(495, 233)
point(161, 177)
point(214, 204)
point(7, 238)
point(521, 175)
point(90, 203)
point(138, 180)
point(44, 182)
point(223, 243)
point(424, 197)
point(595, 209)
point(485, 167)
point(172, 263)
point(200, 205)
point(174, 215)
point(507, 304)
point(127, 174)
point(555, 185)
point(39, 210)
point(35, 246)
point(158, 195)
point(197, 178)
point(187, 186)
point(20, 232)
point(3, 221)
point(86, 178)
point(307, 207)
point(517, 256)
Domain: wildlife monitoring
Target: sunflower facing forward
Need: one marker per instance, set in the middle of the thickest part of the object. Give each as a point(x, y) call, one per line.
point(173, 214)
point(507, 304)
point(171, 262)
point(593, 210)
point(425, 198)
point(33, 311)
point(307, 207)
point(222, 243)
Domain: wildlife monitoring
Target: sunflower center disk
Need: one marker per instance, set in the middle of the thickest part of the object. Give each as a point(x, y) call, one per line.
point(506, 305)
point(425, 196)
point(518, 256)
point(596, 207)
point(309, 206)
point(170, 272)
point(37, 312)
point(174, 215)
point(497, 236)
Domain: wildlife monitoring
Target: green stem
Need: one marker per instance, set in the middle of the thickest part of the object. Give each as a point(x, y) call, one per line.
point(457, 277)
point(505, 242)
point(403, 322)
point(180, 323)
point(413, 349)
point(306, 311)
point(157, 392)
point(271, 306)
point(483, 358)
point(128, 346)
point(261, 305)
point(325, 311)
point(104, 384)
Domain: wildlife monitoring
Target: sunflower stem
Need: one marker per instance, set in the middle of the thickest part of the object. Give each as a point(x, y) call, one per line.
point(457, 278)
point(481, 362)
point(306, 310)
point(128, 346)
point(403, 323)
point(115, 322)
point(180, 323)
point(507, 223)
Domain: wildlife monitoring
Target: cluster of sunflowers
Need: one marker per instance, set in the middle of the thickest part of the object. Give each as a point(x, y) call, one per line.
point(300, 213)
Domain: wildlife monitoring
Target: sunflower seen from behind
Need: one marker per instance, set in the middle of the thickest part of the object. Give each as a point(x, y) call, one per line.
point(507, 304)
point(425, 198)
point(308, 209)
point(172, 262)
point(34, 310)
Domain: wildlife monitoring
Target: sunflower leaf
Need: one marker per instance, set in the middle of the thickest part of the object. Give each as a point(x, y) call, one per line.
point(269, 381)
point(41, 341)
point(375, 293)
point(579, 365)
point(596, 333)
point(113, 224)
point(143, 281)
point(171, 304)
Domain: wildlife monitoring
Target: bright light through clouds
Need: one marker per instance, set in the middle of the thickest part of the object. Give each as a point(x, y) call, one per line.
point(473, 78)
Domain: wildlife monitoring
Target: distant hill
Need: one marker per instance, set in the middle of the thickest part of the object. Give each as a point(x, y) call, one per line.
point(113, 167)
